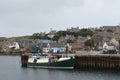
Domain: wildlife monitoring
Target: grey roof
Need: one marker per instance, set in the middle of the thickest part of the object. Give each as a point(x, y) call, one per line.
point(2, 38)
point(82, 39)
point(110, 44)
point(106, 34)
point(45, 41)
point(57, 45)
point(97, 38)
point(110, 27)
point(44, 45)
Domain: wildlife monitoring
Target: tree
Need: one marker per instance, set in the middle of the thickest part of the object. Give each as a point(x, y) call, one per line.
point(89, 43)
point(85, 32)
point(119, 41)
point(109, 30)
point(70, 41)
point(56, 37)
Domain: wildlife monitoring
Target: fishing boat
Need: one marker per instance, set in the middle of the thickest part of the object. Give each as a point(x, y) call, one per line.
point(51, 61)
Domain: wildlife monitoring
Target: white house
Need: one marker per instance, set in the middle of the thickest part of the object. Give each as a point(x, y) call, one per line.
point(46, 48)
point(15, 45)
point(108, 46)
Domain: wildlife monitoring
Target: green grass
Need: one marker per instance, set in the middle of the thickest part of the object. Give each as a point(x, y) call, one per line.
point(19, 37)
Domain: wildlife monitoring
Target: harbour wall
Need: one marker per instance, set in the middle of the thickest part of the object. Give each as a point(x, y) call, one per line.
point(98, 61)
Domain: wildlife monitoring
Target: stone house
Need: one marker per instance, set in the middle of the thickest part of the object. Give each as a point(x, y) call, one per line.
point(115, 29)
point(77, 46)
point(98, 41)
point(2, 39)
point(58, 47)
point(70, 37)
point(73, 29)
point(62, 40)
point(44, 46)
point(80, 41)
point(114, 41)
point(107, 36)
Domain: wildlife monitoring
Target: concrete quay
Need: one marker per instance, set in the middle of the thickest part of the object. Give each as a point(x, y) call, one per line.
point(97, 61)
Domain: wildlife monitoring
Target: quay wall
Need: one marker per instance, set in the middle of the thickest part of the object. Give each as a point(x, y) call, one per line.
point(99, 61)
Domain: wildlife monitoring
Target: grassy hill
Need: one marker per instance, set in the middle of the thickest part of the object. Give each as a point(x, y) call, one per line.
point(20, 37)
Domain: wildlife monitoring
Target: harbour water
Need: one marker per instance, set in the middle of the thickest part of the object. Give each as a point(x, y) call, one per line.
point(10, 69)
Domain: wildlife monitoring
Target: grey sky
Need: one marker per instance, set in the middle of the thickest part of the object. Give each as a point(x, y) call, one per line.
point(24, 17)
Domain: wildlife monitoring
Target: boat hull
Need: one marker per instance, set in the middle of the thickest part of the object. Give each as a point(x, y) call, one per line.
point(64, 64)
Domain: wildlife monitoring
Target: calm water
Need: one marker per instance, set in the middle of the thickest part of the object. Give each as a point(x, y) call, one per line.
point(10, 69)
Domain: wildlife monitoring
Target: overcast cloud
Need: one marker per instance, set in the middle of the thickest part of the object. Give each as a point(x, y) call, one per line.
point(24, 17)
